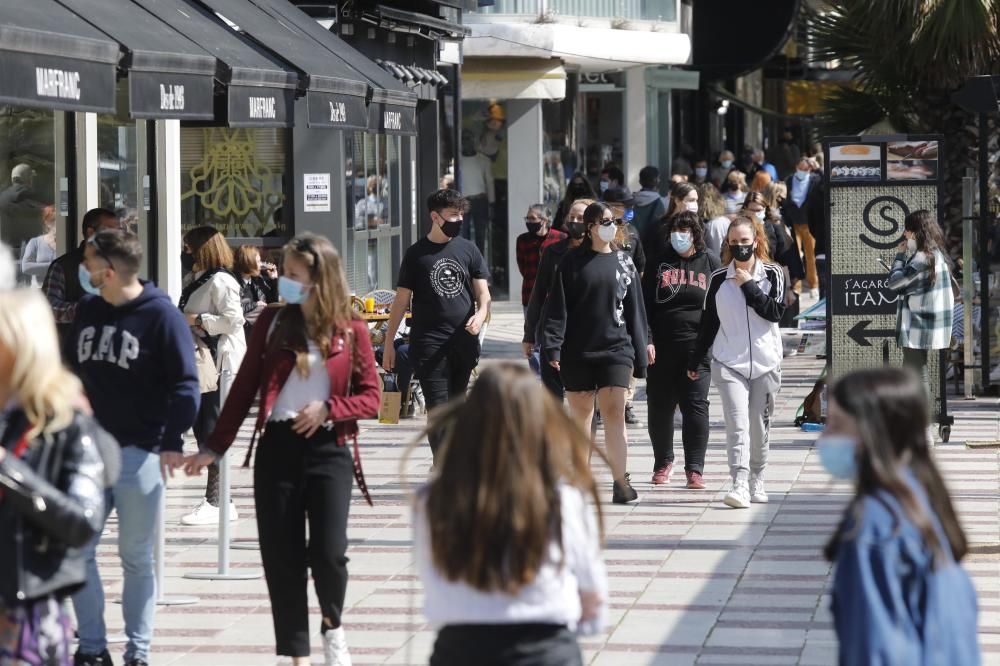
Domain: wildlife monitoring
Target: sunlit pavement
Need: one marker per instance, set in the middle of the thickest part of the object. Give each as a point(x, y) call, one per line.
point(692, 581)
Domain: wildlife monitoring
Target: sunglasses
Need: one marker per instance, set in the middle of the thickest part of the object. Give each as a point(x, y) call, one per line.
point(305, 246)
point(99, 251)
point(605, 222)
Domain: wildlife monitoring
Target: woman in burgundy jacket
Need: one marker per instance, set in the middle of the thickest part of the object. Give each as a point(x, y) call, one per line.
point(311, 362)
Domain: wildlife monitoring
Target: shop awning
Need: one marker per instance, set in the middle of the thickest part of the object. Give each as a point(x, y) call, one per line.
point(245, 70)
point(392, 109)
point(51, 58)
point(335, 93)
point(169, 76)
point(513, 78)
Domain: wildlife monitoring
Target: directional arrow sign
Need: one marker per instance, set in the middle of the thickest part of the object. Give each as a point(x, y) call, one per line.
point(860, 333)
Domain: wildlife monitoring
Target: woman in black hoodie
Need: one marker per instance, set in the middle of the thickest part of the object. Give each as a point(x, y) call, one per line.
point(673, 289)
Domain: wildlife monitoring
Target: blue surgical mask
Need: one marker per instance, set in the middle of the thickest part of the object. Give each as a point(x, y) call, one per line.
point(291, 291)
point(837, 454)
point(604, 185)
point(86, 283)
point(701, 172)
point(726, 164)
point(681, 241)
point(801, 175)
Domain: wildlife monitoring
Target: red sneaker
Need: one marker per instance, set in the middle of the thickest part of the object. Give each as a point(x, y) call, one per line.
point(662, 474)
point(695, 481)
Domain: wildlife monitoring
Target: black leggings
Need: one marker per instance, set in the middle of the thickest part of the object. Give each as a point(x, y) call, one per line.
point(506, 645)
point(295, 480)
point(204, 424)
point(668, 386)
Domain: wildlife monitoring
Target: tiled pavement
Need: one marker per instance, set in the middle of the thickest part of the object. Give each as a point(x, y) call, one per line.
point(692, 582)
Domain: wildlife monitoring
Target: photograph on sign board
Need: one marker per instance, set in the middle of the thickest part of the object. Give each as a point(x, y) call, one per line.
point(855, 162)
point(912, 150)
point(912, 170)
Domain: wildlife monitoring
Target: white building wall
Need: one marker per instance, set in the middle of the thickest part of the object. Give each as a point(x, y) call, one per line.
point(636, 119)
point(524, 176)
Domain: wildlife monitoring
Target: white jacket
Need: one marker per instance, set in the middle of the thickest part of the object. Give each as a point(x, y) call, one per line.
point(740, 324)
point(218, 303)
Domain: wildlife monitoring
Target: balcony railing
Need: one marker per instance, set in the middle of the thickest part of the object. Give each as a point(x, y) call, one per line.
point(629, 10)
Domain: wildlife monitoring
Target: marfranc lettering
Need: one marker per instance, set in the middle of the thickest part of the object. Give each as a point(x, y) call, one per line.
point(263, 108)
point(392, 120)
point(59, 83)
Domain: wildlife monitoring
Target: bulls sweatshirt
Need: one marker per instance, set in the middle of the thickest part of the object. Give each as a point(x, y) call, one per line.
point(740, 323)
point(594, 311)
point(136, 361)
point(673, 290)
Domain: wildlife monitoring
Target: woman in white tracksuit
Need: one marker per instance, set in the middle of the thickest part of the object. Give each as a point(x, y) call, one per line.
point(743, 305)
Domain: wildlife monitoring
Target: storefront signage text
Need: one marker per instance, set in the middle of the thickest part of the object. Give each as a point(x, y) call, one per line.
point(863, 294)
point(60, 83)
point(171, 97)
point(262, 108)
point(338, 112)
point(392, 120)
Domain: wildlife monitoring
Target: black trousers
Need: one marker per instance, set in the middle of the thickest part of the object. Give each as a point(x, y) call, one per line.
point(506, 645)
point(204, 424)
point(477, 219)
point(551, 378)
point(445, 374)
point(667, 387)
point(295, 480)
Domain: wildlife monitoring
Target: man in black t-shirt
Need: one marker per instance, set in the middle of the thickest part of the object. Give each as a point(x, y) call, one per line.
point(443, 280)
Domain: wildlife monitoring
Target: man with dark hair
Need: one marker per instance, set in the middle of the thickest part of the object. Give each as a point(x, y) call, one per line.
point(611, 178)
point(446, 278)
point(62, 282)
point(133, 350)
point(649, 204)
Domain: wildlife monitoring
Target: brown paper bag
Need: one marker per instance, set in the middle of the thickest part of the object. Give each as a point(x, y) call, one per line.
point(391, 400)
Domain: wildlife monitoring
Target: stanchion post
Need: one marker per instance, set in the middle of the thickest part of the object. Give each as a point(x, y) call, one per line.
point(223, 570)
point(968, 290)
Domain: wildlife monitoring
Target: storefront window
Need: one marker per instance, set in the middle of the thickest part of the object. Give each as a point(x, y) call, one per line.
point(602, 131)
point(484, 156)
point(31, 169)
point(232, 179)
point(374, 213)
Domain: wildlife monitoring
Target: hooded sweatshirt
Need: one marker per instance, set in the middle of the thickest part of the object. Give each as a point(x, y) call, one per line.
point(649, 207)
point(136, 361)
point(674, 293)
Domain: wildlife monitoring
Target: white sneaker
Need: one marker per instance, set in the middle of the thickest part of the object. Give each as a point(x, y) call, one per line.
point(206, 514)
point(814, 294)
point(335, 648)
point(931, 436)
point(739, 496)
point(757, 493)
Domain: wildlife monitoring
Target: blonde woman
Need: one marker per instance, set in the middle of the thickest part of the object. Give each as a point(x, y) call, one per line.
point(212, 304)
point(52, 476)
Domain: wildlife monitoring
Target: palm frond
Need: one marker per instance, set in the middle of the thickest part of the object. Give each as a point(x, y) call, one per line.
point(956, 39)
point(853, 110)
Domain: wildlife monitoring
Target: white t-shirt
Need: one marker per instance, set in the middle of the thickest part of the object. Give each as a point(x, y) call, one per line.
point(299, 391)
point(552, 598)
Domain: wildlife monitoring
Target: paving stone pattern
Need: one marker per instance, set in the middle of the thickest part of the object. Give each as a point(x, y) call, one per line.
point(692, 582)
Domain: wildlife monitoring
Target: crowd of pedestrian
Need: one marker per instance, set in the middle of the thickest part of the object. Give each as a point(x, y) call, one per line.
point(683, 290)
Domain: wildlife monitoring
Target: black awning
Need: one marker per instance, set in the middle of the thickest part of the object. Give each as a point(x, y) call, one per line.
point(437, 25)
point(386, 90)
point(329, 79)
point(246, 69)
point(169, 76)
point(51, 58)
point(387, 118)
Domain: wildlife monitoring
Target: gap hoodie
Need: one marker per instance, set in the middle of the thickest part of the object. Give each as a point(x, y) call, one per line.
point(136, 361)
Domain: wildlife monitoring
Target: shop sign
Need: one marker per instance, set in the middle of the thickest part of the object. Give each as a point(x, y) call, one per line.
point(40, 80)
point(391, 119)
point(316, 192)
point(63, 196)
point(166, 95)
point(259, 107)
point(336, 111)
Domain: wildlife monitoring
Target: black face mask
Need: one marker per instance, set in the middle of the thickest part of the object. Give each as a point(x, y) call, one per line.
point(451, 229)
point(576, 230)
point(741, 252)
point(533, 227)
point(187, 262)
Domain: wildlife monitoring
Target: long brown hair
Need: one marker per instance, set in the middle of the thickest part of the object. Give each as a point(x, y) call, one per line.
point(890, 408)
point(930, 240)
point(209, 248)
point(493, 502)
point(330, 301)
point(677, 193)
point(759, 235)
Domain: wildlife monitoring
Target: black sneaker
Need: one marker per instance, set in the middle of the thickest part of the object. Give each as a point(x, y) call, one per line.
point(624, 494)
point(630, 417)
point(136, 662)
point(103, 659)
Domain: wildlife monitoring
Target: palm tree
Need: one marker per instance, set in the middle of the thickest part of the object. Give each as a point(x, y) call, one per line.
point(909, 56)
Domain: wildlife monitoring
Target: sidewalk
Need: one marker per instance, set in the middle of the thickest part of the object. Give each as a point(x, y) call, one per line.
point(692, 582)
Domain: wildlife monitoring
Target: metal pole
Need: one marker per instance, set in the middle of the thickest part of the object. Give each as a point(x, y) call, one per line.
point(984, 256)
point(968, 293)
point(223, 572)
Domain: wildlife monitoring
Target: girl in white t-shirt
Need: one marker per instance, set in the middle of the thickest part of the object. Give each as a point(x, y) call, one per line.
point(507, 541)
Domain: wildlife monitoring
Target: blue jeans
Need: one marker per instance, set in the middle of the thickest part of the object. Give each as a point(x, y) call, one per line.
point(136, 496)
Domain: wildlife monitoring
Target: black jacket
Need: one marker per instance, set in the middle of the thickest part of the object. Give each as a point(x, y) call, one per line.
point(52, 506)
point(551, 256)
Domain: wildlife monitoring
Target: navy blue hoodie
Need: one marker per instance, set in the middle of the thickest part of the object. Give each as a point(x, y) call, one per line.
point(136, 361)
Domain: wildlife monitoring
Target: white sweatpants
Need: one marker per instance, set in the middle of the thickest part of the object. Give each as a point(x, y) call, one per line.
point(747, 405)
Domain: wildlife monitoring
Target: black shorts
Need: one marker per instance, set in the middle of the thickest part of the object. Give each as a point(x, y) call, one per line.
point(590, 376)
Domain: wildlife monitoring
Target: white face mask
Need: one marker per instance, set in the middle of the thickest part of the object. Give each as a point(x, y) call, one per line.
point(692, 206)
point(608, 233)
point(801, 175)
point(759, 215)
point(911, 245)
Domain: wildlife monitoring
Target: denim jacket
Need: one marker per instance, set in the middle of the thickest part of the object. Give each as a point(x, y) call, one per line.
point(890, 604)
